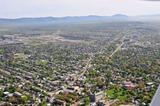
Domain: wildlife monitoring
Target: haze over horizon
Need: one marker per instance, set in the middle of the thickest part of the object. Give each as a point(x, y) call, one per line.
point(61, 8)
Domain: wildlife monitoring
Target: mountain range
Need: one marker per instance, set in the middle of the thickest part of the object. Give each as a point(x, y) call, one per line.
point(53, 20)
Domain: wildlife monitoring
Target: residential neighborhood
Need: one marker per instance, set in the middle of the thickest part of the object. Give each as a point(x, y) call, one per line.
point(112, 64)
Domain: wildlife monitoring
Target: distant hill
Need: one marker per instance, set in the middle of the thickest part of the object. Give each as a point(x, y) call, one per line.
point(74, 19)
point(54, 20)
point(120, 16)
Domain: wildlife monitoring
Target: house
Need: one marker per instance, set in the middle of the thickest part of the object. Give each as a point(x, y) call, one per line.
point(17, 94)
point(99, 96)
point(72, 89)
point(128, 85)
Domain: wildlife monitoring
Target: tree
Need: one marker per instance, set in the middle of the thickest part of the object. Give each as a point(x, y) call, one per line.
point(24, 98)
point(43, 103)
point(1, 94)
point(86, 101)
point(11, 89)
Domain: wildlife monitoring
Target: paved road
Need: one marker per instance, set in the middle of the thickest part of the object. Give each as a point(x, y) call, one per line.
point(88, 64)
point(109, 103)
point(116, 50)
point(91, 57)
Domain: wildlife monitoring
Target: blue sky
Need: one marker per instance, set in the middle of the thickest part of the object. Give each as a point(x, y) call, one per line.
point(42, 8)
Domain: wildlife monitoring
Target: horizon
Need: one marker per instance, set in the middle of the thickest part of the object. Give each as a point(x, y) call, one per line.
point(82, 16)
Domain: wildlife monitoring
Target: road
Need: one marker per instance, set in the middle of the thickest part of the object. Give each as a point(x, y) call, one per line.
point(91, 57)
point(116, 50)
point(111, 102)
point(88, 64)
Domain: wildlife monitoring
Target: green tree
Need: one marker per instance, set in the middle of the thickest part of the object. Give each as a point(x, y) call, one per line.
point(43, 103)
point(24, 98)
point(86, 101)
point(1, 94)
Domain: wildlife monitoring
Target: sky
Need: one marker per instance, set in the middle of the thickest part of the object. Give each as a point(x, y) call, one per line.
point(60, 8)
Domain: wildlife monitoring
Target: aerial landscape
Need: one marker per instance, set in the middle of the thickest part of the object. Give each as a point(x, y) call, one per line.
point(86, 60)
